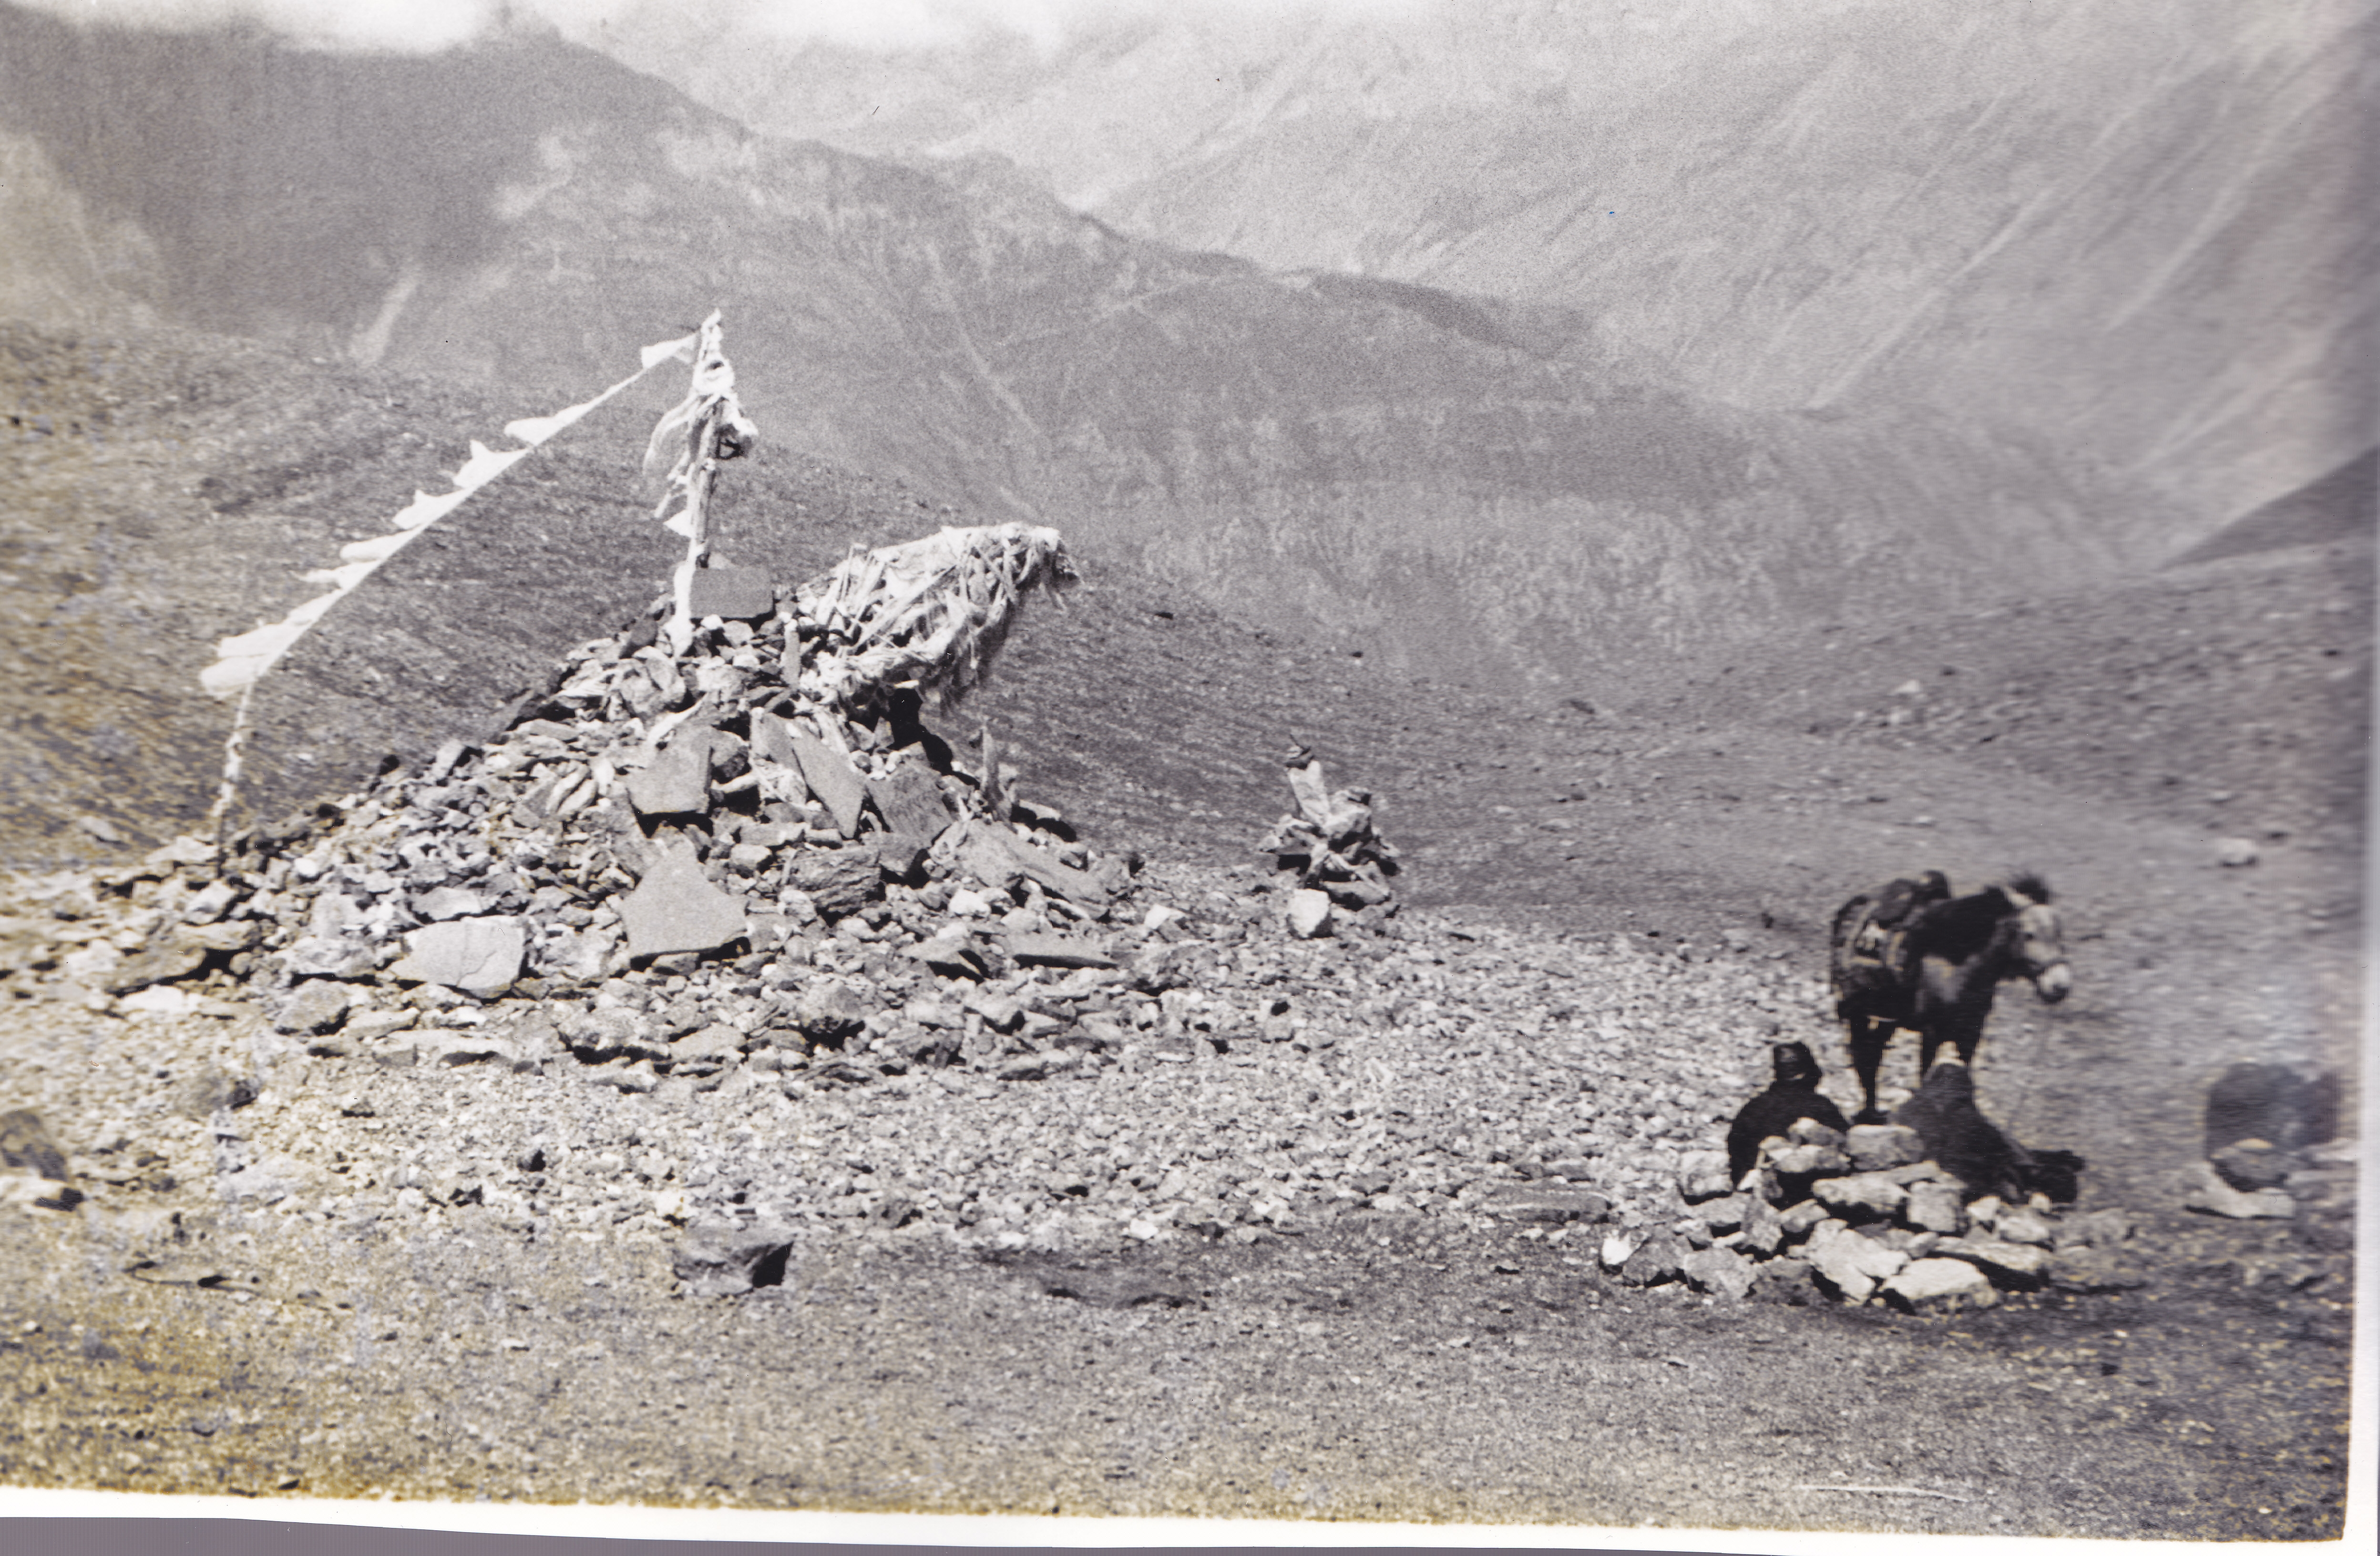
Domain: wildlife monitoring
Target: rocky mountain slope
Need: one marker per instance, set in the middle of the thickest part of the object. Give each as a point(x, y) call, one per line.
point(2125, 233)
point(1438, 479)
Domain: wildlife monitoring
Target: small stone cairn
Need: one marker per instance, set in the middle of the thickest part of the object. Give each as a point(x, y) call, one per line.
point(1342, 864)
point(1861, 1217)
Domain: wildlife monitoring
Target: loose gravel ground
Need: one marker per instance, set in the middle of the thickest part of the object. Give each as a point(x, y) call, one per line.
point(1414, 1071)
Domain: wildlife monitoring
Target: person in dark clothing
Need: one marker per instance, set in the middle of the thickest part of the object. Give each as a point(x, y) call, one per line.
point(1792, 1095)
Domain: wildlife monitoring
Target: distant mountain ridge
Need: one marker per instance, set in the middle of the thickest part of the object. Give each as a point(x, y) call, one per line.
point(2137, 233)
point(1458, 484)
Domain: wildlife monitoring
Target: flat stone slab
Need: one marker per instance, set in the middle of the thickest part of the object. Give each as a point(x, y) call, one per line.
point(1935, 1283)
point(732, 593)
point(832, 777)
point(441, 903)
point(1057, 951)
point(676, 783)
point(477, 955)
point(2017, 1263)
point(1862, 1196)
point(911, 803)
point(674, 909)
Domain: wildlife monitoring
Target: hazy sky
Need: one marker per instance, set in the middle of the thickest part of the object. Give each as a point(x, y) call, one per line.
point(435, 24)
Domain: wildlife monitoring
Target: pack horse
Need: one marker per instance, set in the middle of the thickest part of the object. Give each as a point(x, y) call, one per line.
point(1910, 955)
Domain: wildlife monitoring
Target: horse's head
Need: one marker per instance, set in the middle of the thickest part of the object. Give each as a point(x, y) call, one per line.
point(2038, 938)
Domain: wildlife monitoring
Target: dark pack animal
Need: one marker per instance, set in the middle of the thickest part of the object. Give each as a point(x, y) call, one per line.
point(1792, 1095)
point(2271, 1103)
point(1936, 969)
point(1985, 1158)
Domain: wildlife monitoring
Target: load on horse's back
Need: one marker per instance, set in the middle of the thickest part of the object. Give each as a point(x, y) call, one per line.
point(1872, 930)
point(1908, 954)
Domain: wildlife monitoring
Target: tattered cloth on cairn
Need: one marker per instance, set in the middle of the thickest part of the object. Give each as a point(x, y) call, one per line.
point(930, 615)
point(1330, 845)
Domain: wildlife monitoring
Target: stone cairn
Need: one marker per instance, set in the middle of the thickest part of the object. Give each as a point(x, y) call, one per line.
point(1863, 1215)
point(695, 817)
point(1342, 865)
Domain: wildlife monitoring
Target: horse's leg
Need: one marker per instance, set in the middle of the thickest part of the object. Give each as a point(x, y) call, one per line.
point(1934, 1009)
point(1955, 1008)
point(1870, 1035)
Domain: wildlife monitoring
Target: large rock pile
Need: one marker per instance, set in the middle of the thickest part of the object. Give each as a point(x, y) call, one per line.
point(1862, 1215)
point(650, 853)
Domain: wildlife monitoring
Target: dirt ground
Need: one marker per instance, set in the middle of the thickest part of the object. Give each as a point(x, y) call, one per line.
point(1385, 1370)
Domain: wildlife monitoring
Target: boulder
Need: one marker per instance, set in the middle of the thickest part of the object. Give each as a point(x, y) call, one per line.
point(316, 1005)
point(1862, 1197)
point(1808, 1160)
point(329, 956)
point(1936, 1283)
point(161, 961)
point(1764, 1229)
point(2024, 1225)
point(2019, 1265)
point(1703, 1176)
point(1934, 1207)
point(477, 955)
point(1876, 1147)
point(838, 881)
point(1853, 1264)
point(1726, 1215)
point(727, 1258)
point(1659, 1258)
point(674, 909)
point(1810, 1132)
point(1721, 1271)
point(910, 800)
point(441, 903)
point(1309, 914)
